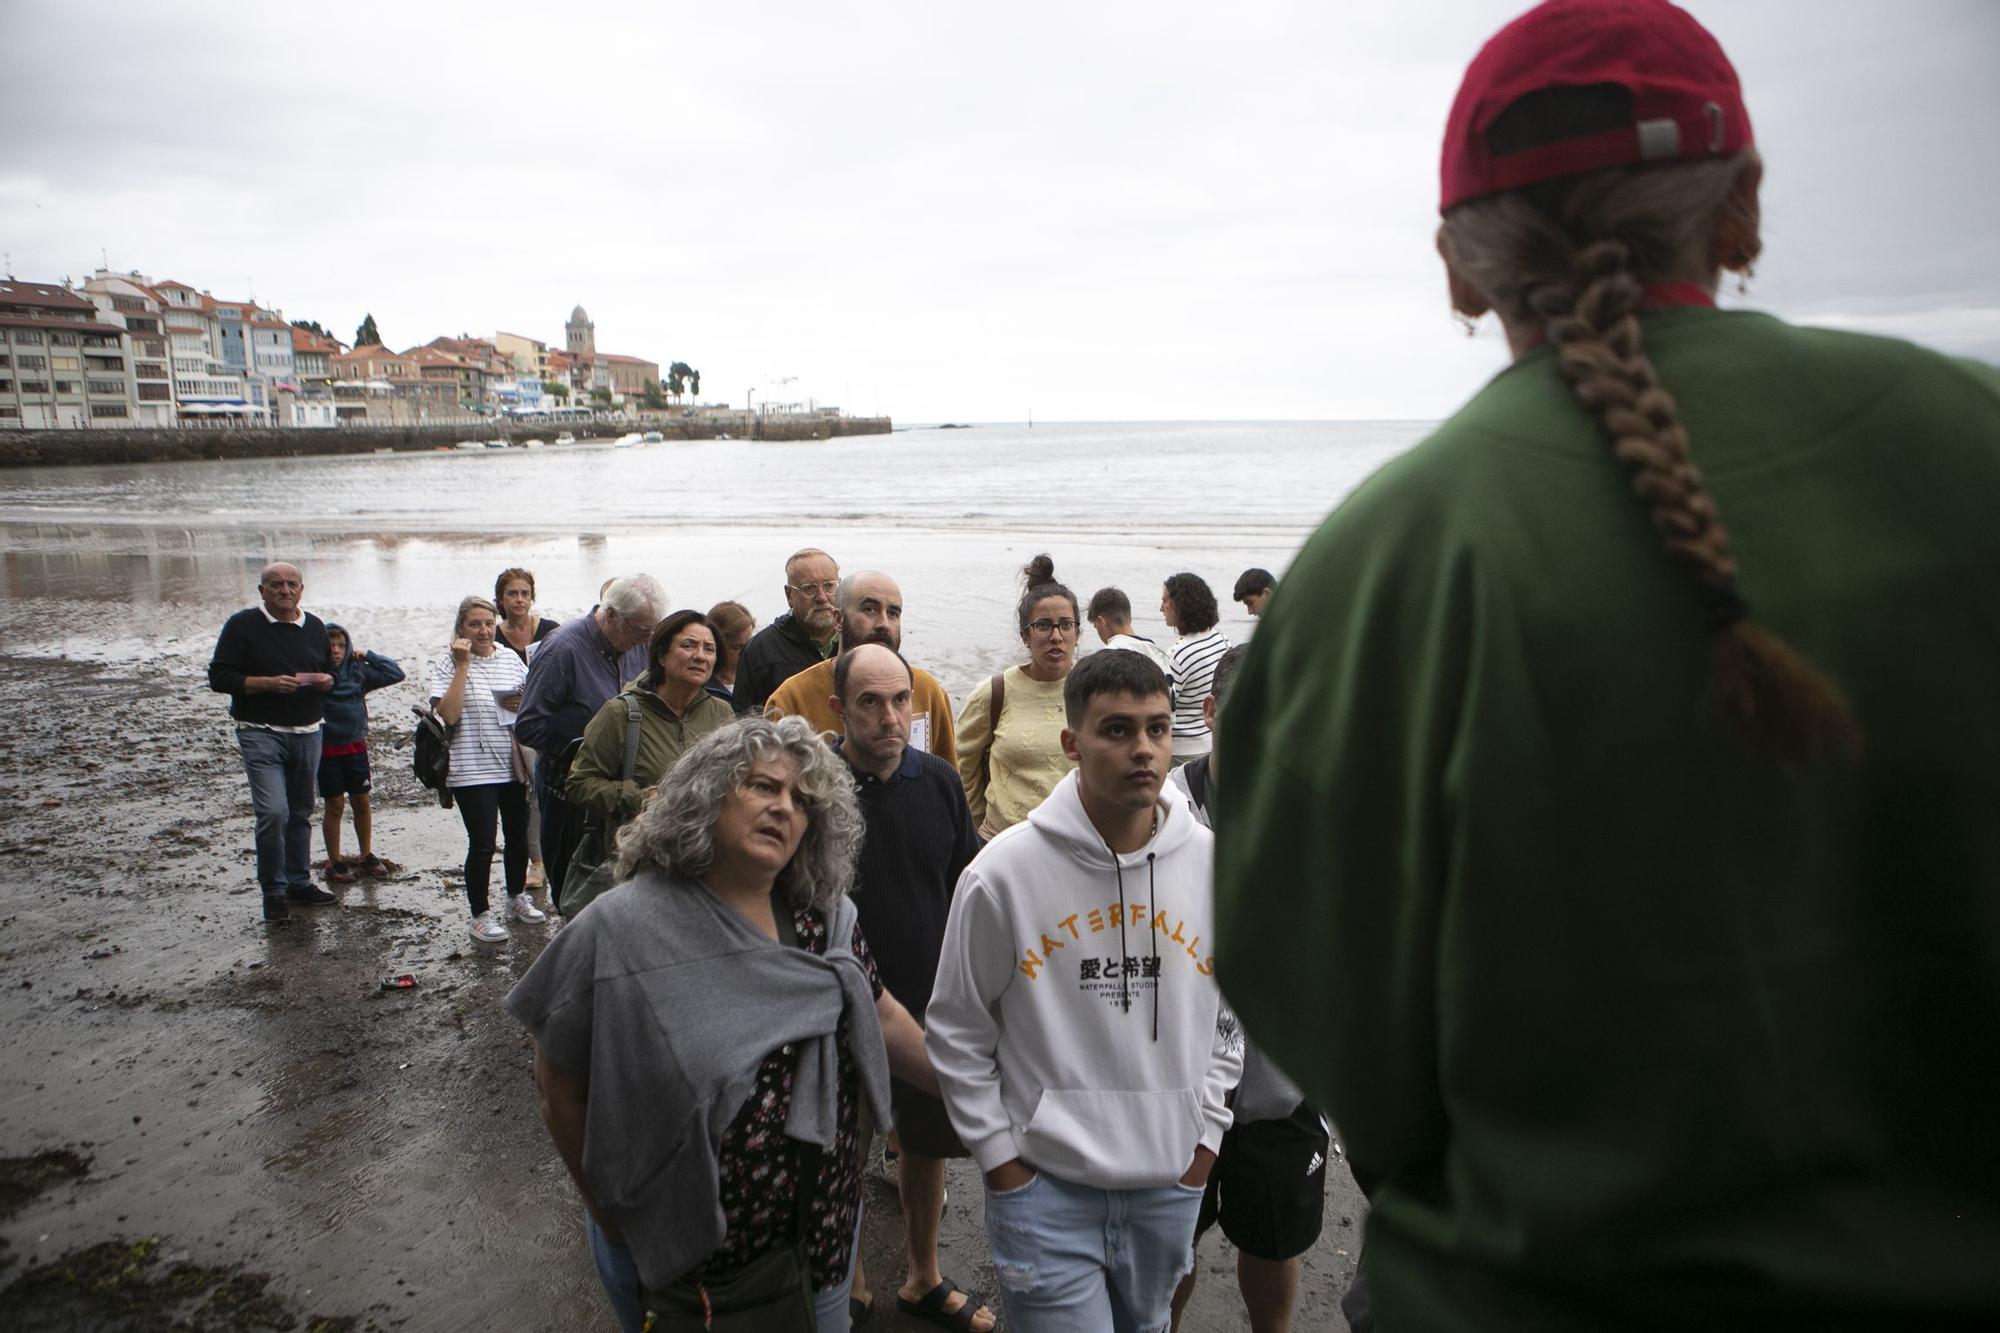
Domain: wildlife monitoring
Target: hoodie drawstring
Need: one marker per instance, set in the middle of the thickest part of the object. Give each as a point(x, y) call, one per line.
point(1124, 950)
point(1124, 956)
point(1159, 977)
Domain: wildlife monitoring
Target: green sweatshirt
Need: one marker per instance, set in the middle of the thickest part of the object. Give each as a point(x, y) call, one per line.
point(1634, 1026)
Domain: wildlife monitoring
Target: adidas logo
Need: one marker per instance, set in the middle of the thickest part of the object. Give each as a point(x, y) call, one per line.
point(1318, 1161)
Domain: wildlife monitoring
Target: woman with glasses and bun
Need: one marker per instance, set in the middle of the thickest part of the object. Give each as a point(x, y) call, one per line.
point(1010, 752)
point(1609, 841)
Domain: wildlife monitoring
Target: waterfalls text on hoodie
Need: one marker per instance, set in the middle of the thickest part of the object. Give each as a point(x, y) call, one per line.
point(1076, 1023)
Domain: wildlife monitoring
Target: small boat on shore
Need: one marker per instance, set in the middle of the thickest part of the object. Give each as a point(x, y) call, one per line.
point(496, 444)
point(626, 441)
point(470, 444)
point(533, 444)
point(565, 438)
point(654, 437)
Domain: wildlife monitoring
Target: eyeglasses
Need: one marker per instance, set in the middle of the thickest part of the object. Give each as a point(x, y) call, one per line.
point(825, 589)
point(1063, 626)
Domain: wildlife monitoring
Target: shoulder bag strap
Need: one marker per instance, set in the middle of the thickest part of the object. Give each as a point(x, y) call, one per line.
point(996, 699)
point(632, 720)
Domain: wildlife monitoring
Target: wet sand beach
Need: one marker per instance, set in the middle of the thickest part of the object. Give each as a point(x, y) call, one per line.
point(301, 1143)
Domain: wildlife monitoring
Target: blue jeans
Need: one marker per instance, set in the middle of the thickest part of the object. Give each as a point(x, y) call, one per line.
point(283, 768)
point(620, 1277)
point(1077, 1259)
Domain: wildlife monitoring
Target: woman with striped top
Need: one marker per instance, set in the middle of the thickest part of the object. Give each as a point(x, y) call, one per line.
point(477, 691)
point(1189, 608)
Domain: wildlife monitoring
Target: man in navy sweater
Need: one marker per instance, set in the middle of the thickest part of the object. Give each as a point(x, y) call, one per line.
point(274, 663)
point(919, 837)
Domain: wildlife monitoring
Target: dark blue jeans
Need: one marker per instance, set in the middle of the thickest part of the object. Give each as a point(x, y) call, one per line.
point(283, 768)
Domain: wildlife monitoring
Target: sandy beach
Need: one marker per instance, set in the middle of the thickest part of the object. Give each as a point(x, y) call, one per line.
point(241, 1126)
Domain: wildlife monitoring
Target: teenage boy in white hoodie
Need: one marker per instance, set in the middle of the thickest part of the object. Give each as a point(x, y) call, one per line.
point(1076, 1028)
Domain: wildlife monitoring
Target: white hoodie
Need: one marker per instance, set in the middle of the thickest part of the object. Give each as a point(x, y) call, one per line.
point(1076, 1022)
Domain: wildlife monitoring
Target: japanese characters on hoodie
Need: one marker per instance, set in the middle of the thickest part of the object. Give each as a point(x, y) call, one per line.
point(1076, 1022)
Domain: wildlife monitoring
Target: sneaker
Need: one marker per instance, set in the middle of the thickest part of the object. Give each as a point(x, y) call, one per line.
point(310, 896)
point(376, 868)
point(486, 928)
point(538, 875)
point(523, 908)
point(276, 908)
point(340, 873)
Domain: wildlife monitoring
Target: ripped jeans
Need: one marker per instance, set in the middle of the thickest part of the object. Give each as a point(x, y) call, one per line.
point(1078, 1259)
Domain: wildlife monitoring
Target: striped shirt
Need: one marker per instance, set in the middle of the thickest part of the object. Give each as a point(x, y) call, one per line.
point(482, 750)
point(1194, 676)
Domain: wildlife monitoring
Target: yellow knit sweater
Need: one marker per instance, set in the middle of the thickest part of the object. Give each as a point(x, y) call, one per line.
point(1026, 760)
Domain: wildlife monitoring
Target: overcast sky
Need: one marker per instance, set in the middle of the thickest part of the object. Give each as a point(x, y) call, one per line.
point(945, 212)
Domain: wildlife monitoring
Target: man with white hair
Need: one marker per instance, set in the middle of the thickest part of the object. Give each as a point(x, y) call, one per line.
point(275, 664)
point(576, 670)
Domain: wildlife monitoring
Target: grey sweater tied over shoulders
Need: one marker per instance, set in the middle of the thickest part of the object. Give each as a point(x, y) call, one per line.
point(668, 1000)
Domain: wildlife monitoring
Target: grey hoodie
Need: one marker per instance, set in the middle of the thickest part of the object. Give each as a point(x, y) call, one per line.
point(1076, 1022)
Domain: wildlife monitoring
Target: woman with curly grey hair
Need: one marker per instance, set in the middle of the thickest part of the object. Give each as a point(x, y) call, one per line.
point(704, 1035)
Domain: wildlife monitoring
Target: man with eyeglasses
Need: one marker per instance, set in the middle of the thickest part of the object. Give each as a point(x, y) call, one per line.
point(871, 611)
point(575, 671)
point(802, 637)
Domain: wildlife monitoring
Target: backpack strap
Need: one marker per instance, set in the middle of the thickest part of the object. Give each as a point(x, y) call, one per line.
point(632, 720)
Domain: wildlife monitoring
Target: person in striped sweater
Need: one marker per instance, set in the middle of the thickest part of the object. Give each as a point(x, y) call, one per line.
point(1189, 607)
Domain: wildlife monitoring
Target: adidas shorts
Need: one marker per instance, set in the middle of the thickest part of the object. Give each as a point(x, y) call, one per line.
point(1268, 1186)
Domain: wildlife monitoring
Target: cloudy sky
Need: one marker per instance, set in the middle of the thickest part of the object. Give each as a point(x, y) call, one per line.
point(946, 212)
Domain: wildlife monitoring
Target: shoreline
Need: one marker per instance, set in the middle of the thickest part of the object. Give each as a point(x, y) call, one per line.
point(69, 448)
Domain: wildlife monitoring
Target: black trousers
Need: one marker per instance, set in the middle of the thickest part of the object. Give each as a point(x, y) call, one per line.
point(504, 803)
point(562, 830)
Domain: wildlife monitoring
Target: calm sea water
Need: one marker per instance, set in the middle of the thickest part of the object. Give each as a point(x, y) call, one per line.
point(106, 563)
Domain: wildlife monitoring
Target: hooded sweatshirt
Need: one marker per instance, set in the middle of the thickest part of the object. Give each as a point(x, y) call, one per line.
point(1076, 1022)
point(356, 676)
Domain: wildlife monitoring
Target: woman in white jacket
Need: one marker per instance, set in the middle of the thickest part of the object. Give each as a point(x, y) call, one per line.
point(1076, 1027)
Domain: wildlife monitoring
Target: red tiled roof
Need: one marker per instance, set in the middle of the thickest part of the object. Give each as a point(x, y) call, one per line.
point(49, 295)
point(305, 340)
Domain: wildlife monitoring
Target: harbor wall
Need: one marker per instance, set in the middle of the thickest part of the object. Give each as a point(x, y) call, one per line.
point(41, 448)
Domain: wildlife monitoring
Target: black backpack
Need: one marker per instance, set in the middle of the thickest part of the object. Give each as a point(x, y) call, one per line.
point(432, 752)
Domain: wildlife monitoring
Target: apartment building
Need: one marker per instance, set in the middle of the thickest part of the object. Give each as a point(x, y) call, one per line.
point(62, 365)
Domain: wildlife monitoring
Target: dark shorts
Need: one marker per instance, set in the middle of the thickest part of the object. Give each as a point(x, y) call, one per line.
point(1268, 1187)
point(344, 774)
point(922, 1124)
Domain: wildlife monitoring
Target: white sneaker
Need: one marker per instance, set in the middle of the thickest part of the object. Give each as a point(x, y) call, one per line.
point(523, 909)
point(486, 928)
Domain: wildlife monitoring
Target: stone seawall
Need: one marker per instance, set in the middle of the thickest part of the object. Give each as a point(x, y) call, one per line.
point(41, 448)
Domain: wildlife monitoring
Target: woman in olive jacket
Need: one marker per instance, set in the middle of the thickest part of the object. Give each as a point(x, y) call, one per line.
point(675, 711)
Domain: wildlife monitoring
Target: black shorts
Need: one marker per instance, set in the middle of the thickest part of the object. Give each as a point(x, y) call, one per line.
point(1268, 1186)
point(344, 774)
point(922, 1124)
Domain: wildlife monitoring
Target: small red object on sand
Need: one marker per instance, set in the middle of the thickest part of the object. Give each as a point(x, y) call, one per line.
point(404, 982)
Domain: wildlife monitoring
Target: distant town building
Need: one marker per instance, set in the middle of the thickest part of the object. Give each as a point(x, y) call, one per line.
point(313, 356)
point(129, 299)
point(530, 356)
point(62, 365)
point(206, 385)
point(579, 335)
point(592, 371)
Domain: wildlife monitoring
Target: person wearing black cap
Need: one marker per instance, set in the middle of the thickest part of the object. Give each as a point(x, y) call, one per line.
point(1625, 892)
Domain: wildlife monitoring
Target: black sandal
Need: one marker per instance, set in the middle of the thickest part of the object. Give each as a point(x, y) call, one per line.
point(930, 1307)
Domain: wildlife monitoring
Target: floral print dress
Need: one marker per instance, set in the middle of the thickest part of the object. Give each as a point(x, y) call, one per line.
point(760, 1168)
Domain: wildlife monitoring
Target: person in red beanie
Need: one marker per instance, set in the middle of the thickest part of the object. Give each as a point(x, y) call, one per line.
point(1609, 845)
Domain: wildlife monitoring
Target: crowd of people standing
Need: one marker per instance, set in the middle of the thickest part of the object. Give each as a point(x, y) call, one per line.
point(1621, 883)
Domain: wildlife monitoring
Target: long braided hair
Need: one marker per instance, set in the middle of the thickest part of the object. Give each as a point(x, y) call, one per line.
point(1573, 257)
